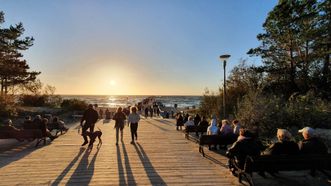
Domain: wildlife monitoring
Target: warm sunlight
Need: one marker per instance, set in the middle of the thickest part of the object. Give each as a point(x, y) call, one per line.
point(112, 82)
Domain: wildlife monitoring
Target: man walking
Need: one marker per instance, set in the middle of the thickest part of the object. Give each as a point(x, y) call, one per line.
point(90, 117)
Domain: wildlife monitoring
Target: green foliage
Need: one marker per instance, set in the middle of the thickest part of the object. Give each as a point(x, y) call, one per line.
point(268, 113)
point(74, 104)
point(210, 104)
point(34, 100)
point(13, 69)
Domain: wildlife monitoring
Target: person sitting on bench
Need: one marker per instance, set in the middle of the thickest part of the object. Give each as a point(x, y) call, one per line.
point(202, 126)
point(236, 127)
point(284, 145)
point(58, 125)
point(225, 129)
point(189, 122)
point(11, 131)
point(311, 144)
point(244, 146)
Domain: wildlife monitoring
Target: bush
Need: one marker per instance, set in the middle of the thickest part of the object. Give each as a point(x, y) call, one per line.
point(267, 113)
point(74, 104)
point(34, 100)
point(7, 106)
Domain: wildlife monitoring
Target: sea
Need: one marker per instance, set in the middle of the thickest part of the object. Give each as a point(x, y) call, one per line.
point(123, 101)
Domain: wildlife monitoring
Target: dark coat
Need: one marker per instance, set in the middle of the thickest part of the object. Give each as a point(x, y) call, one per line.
point(242, 148)
point(119, 118)
point(284, 147)
point(312, 146)
point(90, 116)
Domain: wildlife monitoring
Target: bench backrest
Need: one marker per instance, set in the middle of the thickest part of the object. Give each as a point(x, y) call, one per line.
point(287, 162)
point(217, 139)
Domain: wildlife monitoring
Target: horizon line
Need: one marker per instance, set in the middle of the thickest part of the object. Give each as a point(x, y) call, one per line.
point(124, 95)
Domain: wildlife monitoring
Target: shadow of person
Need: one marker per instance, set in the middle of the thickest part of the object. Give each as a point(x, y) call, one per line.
point(120, 168)
point(129, 175)
point(85, 170)
point(67, 169)
point(153, 176)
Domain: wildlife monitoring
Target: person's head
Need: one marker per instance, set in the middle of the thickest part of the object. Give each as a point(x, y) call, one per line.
point(235, 122)
point(307, 132)
point(55, 119)
point(245, 133)
point(119, 109)
point(133, 109)
point(38, 117)
point(27, 117)
point(8, 122)
point(225, 122)
point(203, 117)
point(45, 120)
point(190, 118)
point(90, 106)
point(283, 135)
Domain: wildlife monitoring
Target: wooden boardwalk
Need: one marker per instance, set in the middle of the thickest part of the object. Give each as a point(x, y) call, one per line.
point(162, 156)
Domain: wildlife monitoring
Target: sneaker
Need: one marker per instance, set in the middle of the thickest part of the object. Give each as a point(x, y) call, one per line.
point(85, 142)
point(116, 143)
point(132, 142)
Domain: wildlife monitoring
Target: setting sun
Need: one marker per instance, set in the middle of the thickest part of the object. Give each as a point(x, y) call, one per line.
point(112, 82)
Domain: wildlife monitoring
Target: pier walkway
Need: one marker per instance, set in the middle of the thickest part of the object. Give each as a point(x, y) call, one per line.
point(162, 156)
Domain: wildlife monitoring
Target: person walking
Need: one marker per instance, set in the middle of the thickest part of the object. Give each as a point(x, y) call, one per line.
point(133, 120)
point(90, 117)
point(119, 118)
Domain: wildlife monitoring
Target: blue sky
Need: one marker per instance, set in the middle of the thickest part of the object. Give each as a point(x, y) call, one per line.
point(146, 47)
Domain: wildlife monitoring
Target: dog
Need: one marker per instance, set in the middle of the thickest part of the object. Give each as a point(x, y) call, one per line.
point(93, 136)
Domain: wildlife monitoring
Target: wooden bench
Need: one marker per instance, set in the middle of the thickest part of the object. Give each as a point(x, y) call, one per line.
point(275, 163)
point(194, 129)
point(215, 140)
point(30, 135)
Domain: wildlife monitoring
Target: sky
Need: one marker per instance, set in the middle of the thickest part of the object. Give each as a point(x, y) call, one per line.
point(137, 47)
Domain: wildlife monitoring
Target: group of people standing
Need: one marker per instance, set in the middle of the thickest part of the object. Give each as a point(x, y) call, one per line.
point(90, 117)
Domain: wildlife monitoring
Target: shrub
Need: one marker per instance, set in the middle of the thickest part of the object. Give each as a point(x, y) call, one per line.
point(7, 106)
point(74, 104)
point(33, 100)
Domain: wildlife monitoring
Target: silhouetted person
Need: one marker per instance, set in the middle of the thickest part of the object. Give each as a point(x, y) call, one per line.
point(119, 118)
point(133, 120)
point(179, 121)
point(202, 126)
point(146, 112)
point(90, 117)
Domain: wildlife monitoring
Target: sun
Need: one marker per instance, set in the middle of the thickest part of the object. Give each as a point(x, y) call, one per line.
point(112, 82)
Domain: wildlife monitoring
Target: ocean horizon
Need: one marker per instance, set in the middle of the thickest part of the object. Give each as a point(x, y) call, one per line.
point(182, 101)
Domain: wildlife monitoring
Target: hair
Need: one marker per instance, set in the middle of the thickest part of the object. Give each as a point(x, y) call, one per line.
point(133, 109)
point(55, 119)
point(283, 135)
point(235, 121)
point(45, 120)
point(225, 121)
point(119, 109)
point(190, 118)
point(28, 117)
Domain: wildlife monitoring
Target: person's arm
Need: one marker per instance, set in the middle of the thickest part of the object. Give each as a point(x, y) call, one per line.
point(83, 119)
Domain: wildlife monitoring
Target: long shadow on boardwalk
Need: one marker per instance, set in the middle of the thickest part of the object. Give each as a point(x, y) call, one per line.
point(67, 169)
point(153, 176)
point(18, 151)
point(129, 179)
point(157, 126)
point(85, 170)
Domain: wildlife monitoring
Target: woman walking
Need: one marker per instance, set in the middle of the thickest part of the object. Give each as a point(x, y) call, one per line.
point(133, 120)
point(119, 118)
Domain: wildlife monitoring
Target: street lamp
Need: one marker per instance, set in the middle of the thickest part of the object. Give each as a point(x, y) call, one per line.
point(223, 58)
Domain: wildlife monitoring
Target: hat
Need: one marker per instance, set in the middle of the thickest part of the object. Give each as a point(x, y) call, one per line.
point(307, 130)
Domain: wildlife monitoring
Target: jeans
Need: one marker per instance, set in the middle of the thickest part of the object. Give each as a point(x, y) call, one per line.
point(134, 127)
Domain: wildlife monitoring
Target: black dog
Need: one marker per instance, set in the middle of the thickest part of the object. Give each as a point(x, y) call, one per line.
point(94, 135)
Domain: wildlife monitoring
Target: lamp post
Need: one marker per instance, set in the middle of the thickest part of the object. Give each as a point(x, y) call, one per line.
point(223, 58)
